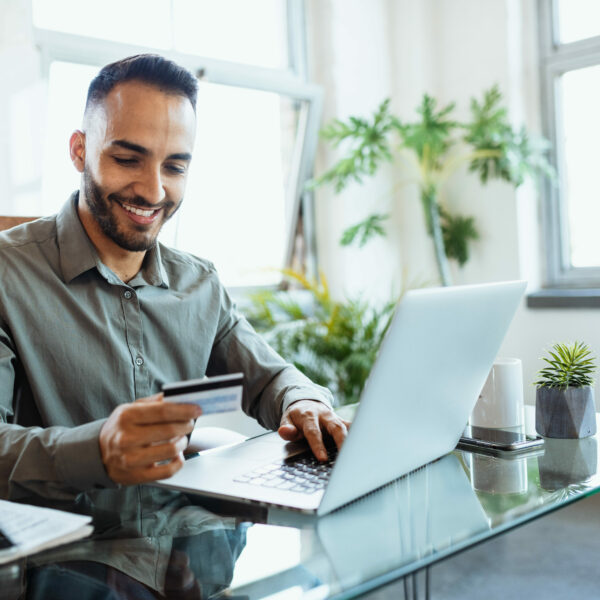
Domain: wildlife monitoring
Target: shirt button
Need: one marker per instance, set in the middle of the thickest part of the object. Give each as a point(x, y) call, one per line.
point(139, 361)
point(127, 294)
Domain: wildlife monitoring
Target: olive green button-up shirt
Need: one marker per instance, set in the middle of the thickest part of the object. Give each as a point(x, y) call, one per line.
point(75, 342)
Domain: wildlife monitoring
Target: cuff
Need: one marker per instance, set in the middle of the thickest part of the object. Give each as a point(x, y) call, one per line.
point(316, 393)
point(78, 457)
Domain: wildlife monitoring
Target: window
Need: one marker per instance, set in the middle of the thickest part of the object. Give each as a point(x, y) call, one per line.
point(570, 58)
point(258, 118)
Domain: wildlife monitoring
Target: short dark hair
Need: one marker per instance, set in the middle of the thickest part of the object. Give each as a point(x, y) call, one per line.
point(147, 68)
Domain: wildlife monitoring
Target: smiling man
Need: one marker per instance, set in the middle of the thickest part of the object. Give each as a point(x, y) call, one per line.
point(95, 315)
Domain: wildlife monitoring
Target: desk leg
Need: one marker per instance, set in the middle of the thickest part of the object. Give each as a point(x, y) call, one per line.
point(416, 585)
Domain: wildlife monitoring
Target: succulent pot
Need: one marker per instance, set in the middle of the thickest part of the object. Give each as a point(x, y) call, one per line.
point(565, 413)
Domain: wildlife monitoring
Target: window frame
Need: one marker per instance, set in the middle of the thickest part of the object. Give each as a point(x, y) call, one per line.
point(556, 59)
point(292, 83)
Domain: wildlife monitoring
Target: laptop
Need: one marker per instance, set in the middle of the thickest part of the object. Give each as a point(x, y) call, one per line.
point(424, 383)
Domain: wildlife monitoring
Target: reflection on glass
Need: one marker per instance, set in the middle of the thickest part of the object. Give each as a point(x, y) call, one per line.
point(580, 132)
point(234, 30)
point(578, 19)
point(498, 476)
point(417, 516)
point(139, 22)
point(567, 462)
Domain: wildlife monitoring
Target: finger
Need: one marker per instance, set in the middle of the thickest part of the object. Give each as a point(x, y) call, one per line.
point(154, 398)
point(312, 432)
point(142, 435)
point(160, 471)
point(289, 433)
point(160, 412)
point(337, 429)
point(148, 455)
point(287, 430)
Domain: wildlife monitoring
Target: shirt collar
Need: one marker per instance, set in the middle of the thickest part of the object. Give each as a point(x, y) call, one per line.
point(78, 255)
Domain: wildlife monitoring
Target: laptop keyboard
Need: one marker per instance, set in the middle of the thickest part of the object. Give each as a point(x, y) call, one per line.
point(300, 473)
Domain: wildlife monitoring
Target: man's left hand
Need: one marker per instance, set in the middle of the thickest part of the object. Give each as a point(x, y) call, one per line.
point(310, 419)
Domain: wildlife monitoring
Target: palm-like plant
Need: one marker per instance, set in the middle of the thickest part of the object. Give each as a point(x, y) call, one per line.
point(494, 150)
point(334, 343)
point(568, 365)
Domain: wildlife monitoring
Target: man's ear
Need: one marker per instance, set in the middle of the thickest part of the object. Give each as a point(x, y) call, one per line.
point(77, 149)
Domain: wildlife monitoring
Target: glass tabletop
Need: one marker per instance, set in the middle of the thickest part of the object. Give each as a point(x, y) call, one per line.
point(154, 543)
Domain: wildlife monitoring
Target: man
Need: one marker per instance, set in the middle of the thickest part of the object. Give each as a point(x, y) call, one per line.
point(95, 315)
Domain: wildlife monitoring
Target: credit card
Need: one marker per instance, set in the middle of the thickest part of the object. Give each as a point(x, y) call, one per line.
point(219, 394)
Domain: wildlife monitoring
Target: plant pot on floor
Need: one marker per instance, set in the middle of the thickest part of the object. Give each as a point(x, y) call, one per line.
point(565, 413)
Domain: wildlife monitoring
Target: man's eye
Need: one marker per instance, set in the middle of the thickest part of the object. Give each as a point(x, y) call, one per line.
point(176, 169)
point(127, 162)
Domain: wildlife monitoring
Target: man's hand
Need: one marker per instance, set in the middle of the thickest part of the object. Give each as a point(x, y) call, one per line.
point(309, 419)
point(144, 441)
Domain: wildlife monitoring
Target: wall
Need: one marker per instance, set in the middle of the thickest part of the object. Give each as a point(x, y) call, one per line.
point(453, 49)
point(22, 96)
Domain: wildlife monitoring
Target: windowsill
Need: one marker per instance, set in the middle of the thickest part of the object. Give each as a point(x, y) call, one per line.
point(564, 298)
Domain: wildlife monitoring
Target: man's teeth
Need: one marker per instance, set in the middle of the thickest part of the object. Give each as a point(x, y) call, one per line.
point(138, 211)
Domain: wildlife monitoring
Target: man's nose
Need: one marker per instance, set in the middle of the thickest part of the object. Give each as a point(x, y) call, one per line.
point(151, 185)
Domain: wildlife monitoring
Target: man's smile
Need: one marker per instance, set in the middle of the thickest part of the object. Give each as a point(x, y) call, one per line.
point(140, 215)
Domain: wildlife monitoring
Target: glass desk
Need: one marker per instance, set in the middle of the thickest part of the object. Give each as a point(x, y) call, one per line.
point(153, 543)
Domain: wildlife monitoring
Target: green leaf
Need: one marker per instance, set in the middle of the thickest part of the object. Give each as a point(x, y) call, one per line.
point(335, 346)
point(570, 365)
point(458, 232)
point(512, 154)
point(367, 146)
point(364, 231)
point(430, 136)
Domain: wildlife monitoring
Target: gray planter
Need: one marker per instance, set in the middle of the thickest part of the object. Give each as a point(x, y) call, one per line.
point(565, 413)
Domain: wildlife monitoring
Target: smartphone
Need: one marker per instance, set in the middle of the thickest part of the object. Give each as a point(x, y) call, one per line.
point(498, 441)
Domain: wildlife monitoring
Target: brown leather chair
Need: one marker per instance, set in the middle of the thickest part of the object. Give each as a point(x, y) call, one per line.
point(8, 222)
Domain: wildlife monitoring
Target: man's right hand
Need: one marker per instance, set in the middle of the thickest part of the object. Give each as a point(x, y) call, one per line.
point(144, 441)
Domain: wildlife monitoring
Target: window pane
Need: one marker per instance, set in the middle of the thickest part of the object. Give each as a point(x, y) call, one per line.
point(234, 30)
point(234, 211)
point(138, 22)
point(578, 20)
point(67, 90)
point(581, 131)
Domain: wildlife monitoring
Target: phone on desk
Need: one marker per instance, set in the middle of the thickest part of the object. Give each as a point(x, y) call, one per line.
point(498, 441)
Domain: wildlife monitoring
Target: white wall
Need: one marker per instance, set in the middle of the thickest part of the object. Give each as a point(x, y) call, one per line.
point(22, 116)
point(453, 49)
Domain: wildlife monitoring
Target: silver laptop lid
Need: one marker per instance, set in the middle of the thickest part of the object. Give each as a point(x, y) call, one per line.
point(428, 374)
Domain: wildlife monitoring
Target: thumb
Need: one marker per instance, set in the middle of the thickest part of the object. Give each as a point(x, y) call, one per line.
point(287, 430)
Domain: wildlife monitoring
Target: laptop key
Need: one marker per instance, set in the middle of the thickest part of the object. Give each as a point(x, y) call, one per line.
point(303, 473)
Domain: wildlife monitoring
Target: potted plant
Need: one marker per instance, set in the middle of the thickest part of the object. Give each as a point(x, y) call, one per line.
point(564, 406)
point(435, 145)
point(332, 342)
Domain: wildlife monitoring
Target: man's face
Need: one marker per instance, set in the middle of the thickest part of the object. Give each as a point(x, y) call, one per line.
point(138, 146)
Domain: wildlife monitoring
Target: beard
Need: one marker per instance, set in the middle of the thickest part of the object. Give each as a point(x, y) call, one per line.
point(138, 238)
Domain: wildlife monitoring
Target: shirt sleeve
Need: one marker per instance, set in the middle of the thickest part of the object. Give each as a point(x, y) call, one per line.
point(270, 383)
point(53, 462)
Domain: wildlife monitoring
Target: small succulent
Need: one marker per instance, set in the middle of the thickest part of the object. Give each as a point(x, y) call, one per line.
point(568, 365)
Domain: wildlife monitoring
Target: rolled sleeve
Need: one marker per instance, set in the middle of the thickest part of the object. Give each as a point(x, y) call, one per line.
point(271, 384)
point(55, 462)
point(78, 459)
